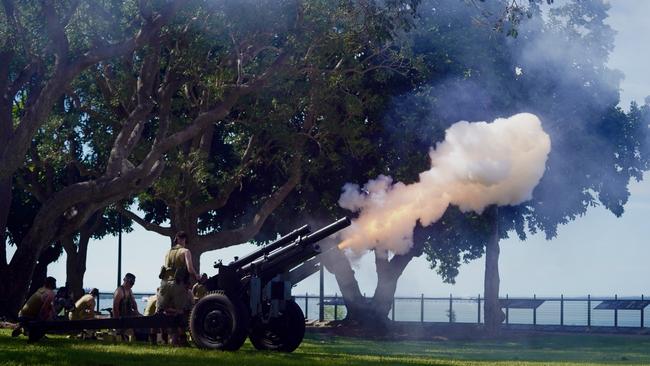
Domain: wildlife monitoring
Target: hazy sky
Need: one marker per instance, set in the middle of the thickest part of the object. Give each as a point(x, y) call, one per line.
point(597, 254)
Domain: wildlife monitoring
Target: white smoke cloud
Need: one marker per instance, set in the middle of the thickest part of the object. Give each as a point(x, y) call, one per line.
point(477, 165)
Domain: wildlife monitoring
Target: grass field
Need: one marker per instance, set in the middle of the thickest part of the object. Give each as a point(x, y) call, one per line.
point(319, 349)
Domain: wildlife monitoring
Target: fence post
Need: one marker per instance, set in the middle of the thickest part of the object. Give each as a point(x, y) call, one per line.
point(306, 305)
point(336, 306)
point(451, 308)
point(422, 309)
point(589, 311)
point(507, 311)
point(642, 322)
point(392, 316)
point(321, 295)
point(615, 312)
point(479, 308)
point(534, 311)
point(562, 310)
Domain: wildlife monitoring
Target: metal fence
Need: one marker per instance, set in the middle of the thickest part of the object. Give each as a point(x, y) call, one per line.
point(558, 311)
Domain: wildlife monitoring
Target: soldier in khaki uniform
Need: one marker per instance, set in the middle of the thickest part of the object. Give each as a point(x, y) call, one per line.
point(174, 295)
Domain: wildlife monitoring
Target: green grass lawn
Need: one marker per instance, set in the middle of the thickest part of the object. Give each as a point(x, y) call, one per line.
point(319, 349)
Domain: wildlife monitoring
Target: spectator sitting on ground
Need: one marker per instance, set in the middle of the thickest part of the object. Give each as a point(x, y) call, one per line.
point(85, 306)
point(199, 290)
point(63, 303)
point(38, 306)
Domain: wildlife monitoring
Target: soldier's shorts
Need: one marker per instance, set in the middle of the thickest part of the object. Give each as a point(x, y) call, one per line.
point(173, 296)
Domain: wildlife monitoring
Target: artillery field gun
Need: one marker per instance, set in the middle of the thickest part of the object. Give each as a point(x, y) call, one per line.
point(249, 297)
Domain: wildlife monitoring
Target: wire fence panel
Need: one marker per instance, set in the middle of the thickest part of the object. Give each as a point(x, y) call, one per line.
point(560, 311)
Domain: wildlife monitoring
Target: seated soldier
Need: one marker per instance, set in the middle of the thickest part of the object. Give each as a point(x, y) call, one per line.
point(85, 306)
point(38, 306)
point(199, 290)
point(124, 304)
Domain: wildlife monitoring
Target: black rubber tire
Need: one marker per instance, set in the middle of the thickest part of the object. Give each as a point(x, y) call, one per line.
point(282, 334)
point(218, 322)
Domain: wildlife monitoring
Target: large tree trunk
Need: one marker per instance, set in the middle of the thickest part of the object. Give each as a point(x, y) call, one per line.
point(75, 271)
point(196, 260)
point(5, 205)
point(356, 305)
point(15, 284)
point(77, 255)
point(494, 316)
point(369, 312)
point(388, 272)
point(48, 255)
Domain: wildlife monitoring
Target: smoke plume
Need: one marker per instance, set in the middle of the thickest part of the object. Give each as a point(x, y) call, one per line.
point(477, 165)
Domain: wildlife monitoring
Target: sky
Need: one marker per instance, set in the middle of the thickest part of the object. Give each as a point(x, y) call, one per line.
point(597, 254)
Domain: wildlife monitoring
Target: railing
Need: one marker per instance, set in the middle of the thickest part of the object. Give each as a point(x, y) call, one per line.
point(557, 311)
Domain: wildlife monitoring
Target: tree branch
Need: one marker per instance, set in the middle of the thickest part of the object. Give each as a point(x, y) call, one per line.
point(166, 231)
point(56, 33)
point(248, 231)
point(130, 134)
point(221, 200)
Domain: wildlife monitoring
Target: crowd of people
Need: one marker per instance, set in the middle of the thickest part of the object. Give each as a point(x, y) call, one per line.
point(180, 288)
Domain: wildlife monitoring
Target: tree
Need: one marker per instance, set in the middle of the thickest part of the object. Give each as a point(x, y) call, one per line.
point(140, 127)
point(575, 94)
point(43, 49)
point(222, 187)
point(478, 75)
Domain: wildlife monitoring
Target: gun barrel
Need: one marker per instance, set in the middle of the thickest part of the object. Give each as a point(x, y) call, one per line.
point(299, 251)
point(328, 230)
point(271, 247)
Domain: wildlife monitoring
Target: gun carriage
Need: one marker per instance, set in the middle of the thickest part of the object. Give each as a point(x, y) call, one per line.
point(249, 297)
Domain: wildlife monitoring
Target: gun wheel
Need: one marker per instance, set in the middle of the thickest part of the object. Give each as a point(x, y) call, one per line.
point(283, 334)
point(219, 322)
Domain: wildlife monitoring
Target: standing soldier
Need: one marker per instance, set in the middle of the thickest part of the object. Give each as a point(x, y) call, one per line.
point(174, 296)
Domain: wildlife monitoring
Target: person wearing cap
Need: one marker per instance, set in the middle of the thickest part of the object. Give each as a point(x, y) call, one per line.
point(85, 306)
point(174, 296)
point(175, 278)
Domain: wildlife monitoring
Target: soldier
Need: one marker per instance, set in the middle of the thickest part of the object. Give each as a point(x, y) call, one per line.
point(199, 290)
point(174, 297)
point(38, 306)
point(150, 310)
point(85, 306)
point(124, 304)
